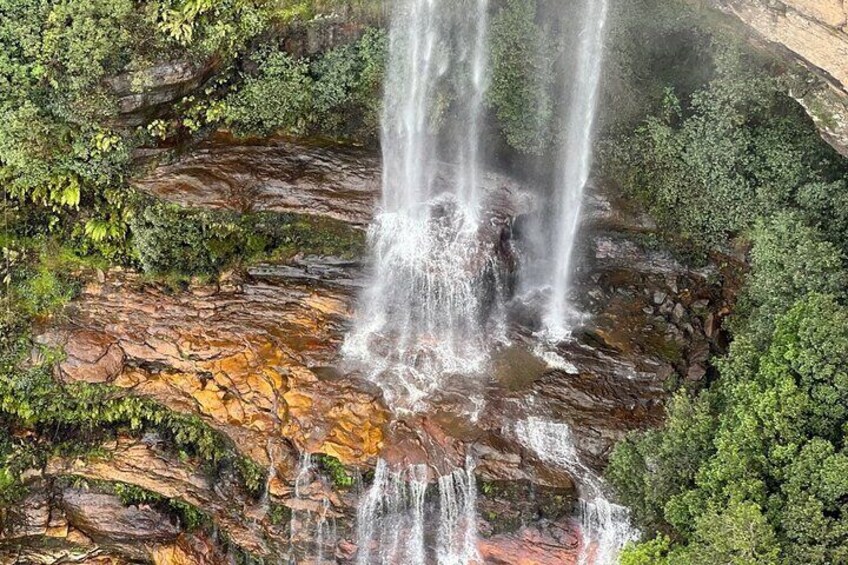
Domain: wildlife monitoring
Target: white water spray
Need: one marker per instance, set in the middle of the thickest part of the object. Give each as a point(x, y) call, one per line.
point(605, 526)
point(575, 164)
point(394, 519)
point(313, 524)
point(423, 314)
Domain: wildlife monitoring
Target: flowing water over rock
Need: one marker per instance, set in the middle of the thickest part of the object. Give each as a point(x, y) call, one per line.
point(313, 524)
point(605, 526)
point(397, 518)
point(424, 314)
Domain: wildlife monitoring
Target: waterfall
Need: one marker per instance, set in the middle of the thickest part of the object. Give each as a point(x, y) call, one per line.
point(575, 162)
point(423, 313)
point(312, 524)
point(395, 518)
point(457, 544)
point(605, 526)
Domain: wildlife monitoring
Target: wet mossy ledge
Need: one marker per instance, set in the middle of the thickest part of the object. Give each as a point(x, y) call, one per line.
point(172, 242)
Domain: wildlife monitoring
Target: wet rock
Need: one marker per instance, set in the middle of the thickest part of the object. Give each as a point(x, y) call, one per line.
point(136, 463)
point(284, 175)
point(547, 544)
point(104, 516)
point(278, 174)
point(250, 361)
point(189, 550)
point(148, 93)
point(696, 373)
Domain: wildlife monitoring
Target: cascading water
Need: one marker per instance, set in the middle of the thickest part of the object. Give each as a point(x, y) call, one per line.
point(575, 164)
point(605, 526)
point(396, 516)
point(427, 312)
point(312, 524)
point(424, 312)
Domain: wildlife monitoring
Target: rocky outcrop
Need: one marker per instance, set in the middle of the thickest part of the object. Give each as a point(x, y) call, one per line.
point(144, 464)
point(66, 524)
point(551, 544)
point(277, 175)
point(145, 94)
point(248, 356)
point(256, 355)
point(815, 33)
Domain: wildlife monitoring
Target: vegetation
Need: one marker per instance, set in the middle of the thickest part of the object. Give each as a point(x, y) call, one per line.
point(752, 468)
point(334, 469)
point(522, 77)
point(170, 239)
point(336, 94)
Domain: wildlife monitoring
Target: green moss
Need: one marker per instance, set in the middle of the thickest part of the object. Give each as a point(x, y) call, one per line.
point(279, 514)
point(334, 468)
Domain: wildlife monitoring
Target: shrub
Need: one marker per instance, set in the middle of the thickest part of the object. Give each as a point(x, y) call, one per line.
point(522, 77)
point(336, 94)
point(172, 239)
point(736, 151)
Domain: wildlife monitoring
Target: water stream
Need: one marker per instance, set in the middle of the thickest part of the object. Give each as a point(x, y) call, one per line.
point(398, 519)
point(423, 315)
point(312, 527)
point(574, 164)
point(605, 526)
point(428, 311)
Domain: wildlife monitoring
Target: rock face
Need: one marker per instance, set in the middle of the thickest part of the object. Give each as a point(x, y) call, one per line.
point(247, 356)
point(256, 356)
point(147, 93)
point(814, 32)
point(75, 525)
point(277, 175)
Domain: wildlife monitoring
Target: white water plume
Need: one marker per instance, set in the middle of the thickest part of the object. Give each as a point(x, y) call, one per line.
point(394, 518)
point(605, 526)
point(423, 313)
point(575, 164)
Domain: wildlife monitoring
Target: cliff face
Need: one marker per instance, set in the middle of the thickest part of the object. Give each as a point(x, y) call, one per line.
point(814, 33)
point(254, 355)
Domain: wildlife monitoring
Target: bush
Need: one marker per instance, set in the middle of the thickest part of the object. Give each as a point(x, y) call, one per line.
point(768, 482)
point(522, 61)
point(707, 168)
point(336, 94)
point(788, 260)
point(169, 239)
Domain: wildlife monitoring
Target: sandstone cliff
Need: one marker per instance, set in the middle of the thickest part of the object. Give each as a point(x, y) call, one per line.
point(814, 33)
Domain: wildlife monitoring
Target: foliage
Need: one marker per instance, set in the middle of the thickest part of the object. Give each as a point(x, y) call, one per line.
point(765, 482)
point(653, 45)
point(168, 237)
point(522, 76)
point(653, 552)
point(337, 93)
point(335, 470)
point(81, 416)
point(735, 151)
point(189, 517)
point(750, 469)
point(788, 259)
point(279, 514)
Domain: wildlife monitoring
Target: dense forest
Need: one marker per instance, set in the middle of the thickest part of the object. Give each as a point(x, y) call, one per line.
point(697, 127)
